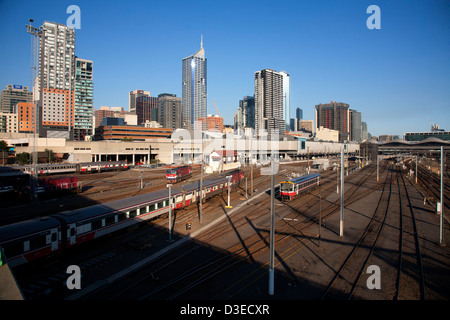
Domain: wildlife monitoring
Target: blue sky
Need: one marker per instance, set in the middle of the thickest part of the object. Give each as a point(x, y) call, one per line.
point(398, 76)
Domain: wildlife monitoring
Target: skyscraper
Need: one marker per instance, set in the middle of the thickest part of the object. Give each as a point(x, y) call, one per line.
point(334, 116)
point(169, 111)
point(299, 114)
point(269, 101)
point(146, 109)
point(355, 126)
point(133, 96)
point(286, 98)
point(245, 117)
point(56, 83)
point(84, 99)
point(194, 88)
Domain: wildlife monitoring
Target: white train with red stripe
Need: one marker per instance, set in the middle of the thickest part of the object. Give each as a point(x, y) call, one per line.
point(29, 240)
point(292, 188)
point(61, 168)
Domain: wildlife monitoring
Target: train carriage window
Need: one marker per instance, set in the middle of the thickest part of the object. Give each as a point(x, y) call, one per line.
point(160, 205)
point(96, 224)
point(38, 242)
point(84, 228)
point(132, 213)
point(152, 207)
point(14, 249)
point(121, 216)
point(109, 220)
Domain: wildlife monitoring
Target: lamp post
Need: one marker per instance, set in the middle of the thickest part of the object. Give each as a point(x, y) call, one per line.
point(341, 223)
point(441, 225)
point(170, 211)
point(272, 231)
point(229, 187)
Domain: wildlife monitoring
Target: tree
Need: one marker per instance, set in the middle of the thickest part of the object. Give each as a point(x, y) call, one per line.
point(23, 158)
point(3, 145)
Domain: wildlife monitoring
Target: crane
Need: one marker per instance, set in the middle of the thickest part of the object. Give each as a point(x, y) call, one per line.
point(216, 109)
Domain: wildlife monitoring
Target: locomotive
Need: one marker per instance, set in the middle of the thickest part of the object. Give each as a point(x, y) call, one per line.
point(174, 175)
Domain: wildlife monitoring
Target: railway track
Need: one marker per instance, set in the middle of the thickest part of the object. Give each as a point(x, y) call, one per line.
point(209, 207)
point(244, 251)
point(409, 258)
point(347, 277)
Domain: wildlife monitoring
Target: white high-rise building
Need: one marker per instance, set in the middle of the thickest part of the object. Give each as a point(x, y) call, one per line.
point(56, 84)
point(286, 98)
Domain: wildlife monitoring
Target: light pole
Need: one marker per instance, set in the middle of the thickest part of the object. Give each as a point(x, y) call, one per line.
point(341, 223)
point(417, 159)
point(272, 231)
point(378, 170)
point(229, 187)
point(441, 225)
point(170, 211)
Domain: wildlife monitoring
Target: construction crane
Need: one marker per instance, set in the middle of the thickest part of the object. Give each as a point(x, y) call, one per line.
point(216, 109)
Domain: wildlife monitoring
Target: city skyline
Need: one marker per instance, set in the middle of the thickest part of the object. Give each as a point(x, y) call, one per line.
point(397, 76)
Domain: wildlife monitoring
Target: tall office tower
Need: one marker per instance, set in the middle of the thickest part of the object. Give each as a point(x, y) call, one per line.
point(334, 116)
point(238, 121)
point(84, 99)
point(245, 115)
point(194, 88)
point(247, 104)
point(286, 98)
point(364, 131)
point(299, 114)
point(56, 83)
point(355, 126)
point(169, 111)
point(146, 109)
point(133, 96)
point(12, 95)
point(269, 102)
point(294, 125)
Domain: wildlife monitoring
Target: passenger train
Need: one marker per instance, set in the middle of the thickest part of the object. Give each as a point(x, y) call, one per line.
point(292, 188)
point(29, 240)
point(58, 168)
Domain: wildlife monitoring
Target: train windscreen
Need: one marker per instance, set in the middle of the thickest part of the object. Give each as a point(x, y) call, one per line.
point(171, 171)
point(286, 186)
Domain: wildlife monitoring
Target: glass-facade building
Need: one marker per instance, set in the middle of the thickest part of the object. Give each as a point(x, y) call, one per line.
point(194, 88)
point(84, 99)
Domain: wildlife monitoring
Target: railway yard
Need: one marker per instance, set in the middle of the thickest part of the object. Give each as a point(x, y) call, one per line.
point(389, 249)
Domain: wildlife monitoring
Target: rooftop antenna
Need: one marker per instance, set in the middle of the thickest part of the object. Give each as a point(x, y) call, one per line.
point(201, 42)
